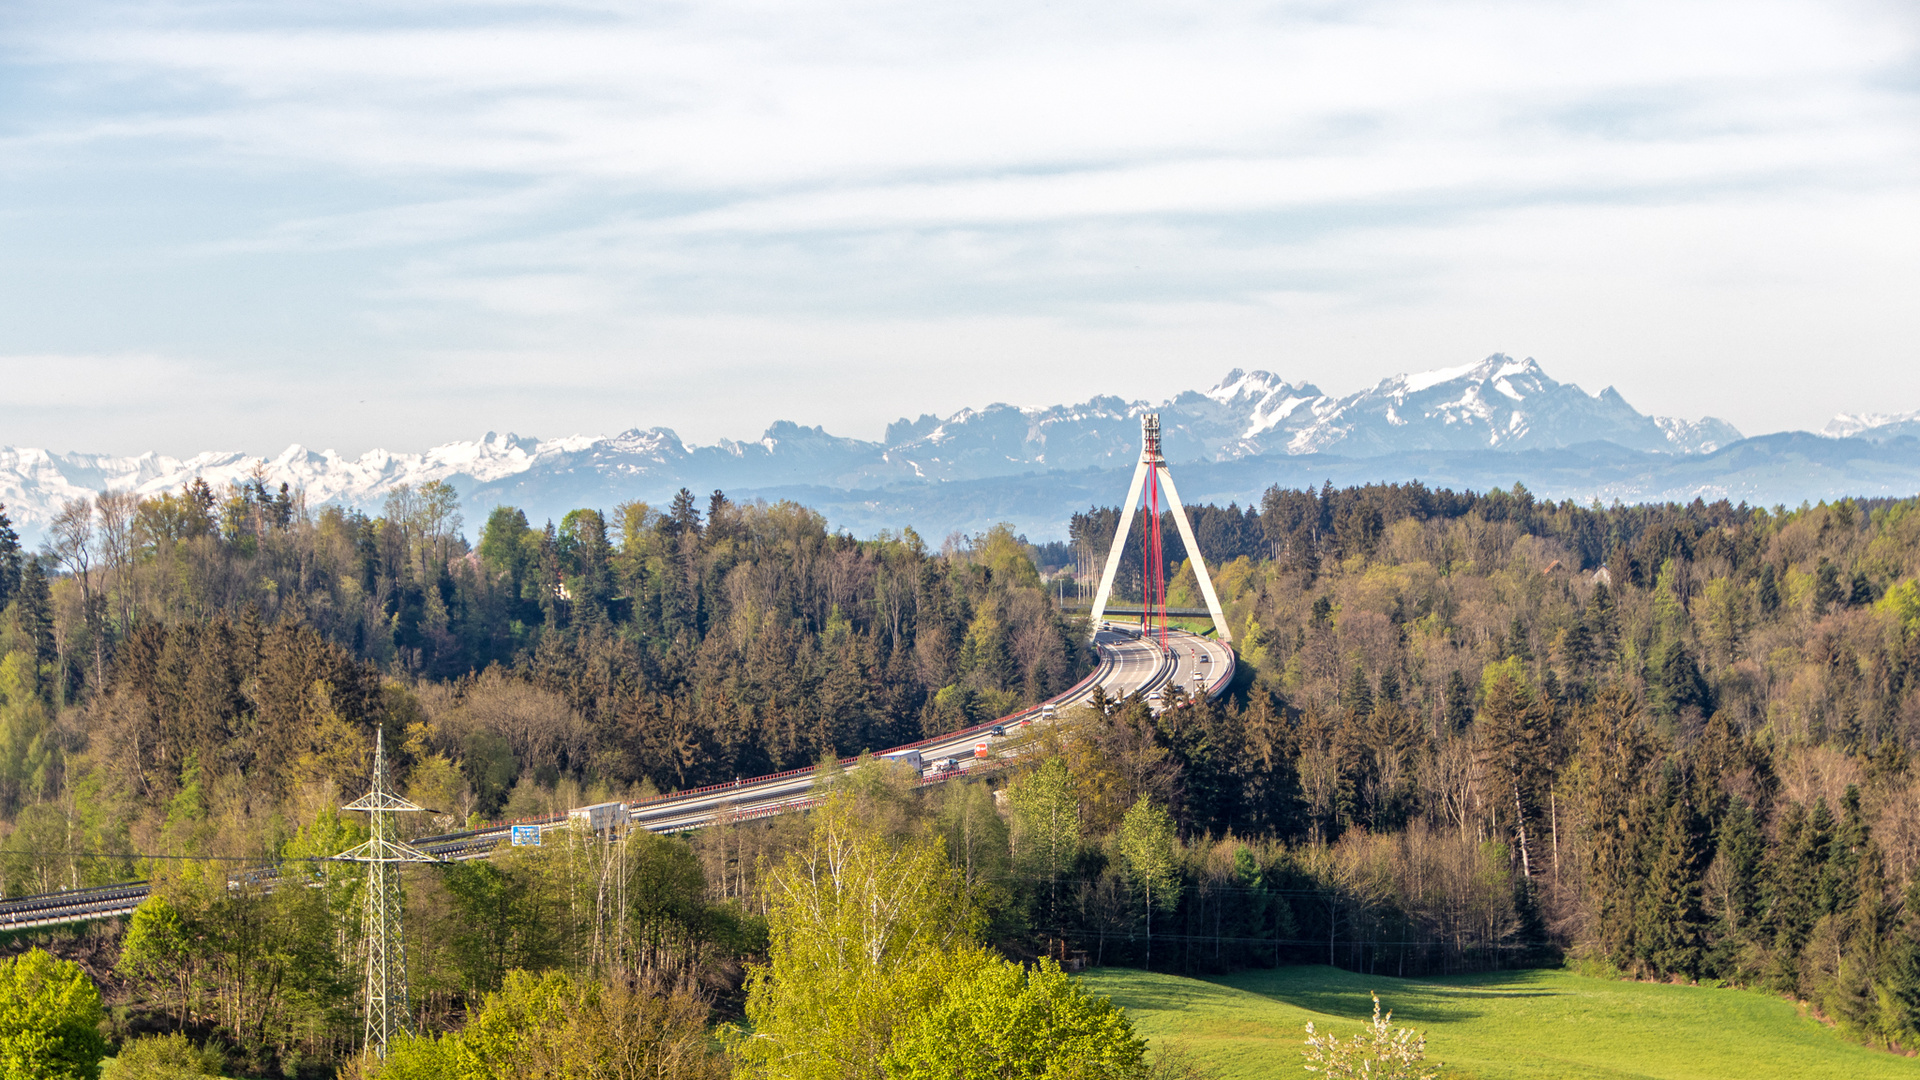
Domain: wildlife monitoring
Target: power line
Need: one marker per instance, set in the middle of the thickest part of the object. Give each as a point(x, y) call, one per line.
point(255, 859)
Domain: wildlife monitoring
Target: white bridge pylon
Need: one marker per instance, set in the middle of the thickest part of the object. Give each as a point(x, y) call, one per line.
point(1151, 460)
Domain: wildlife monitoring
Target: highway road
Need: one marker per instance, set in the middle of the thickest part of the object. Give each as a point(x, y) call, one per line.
point(1129, 664)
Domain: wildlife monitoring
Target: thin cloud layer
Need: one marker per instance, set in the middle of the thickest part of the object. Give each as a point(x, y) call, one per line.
point(1653, 195)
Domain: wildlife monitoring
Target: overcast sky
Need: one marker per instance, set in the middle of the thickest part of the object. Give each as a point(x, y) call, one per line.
point(395, 223)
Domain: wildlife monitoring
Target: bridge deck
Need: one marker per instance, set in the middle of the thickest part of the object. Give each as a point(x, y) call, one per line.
point(1128, 665)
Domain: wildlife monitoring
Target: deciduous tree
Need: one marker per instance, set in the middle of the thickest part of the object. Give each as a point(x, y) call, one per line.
point(49, 1019)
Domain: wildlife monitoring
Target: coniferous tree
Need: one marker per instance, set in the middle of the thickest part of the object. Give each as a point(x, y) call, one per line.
point(1270, 785)
point(34, 611)
point(683, 513)
point(1603, 623)
point(1459, 701)
point(10, 568)
point(1827, 590)
point(1513, 723)
point(1357, 698)
point(1517, 644)
point(1671, 930)
point(1737, 867)
point(1614, 753)
point(1768, 591)
point(1899, 1018)
point(1677, 684)
point(1860, 590)
point(1797, 869)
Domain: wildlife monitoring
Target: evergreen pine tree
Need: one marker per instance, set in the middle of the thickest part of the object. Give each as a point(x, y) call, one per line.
point(553, 606)
point(1602, 623)
point(1269, 771)
point(717, 506)
point(1530, 922)
point(1839, 889)
point(1356, 698)
point(1899, 1015)
point(1389, 686)
point(1459, 701)
point(1737, 916)
point(1671, 930)
point(1677, 685)
point(1860, 590)
point(1517, 645)
point(34, 611)
point(1769, 590)
point(1614, 753)
point(9, 559)
point(683, 514)
point(1513, 724)
point(1798, 861)
point(1827, 590)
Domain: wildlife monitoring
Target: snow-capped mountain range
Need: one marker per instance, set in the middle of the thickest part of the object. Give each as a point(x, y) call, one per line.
point(1876, 427)
point(1499, 404)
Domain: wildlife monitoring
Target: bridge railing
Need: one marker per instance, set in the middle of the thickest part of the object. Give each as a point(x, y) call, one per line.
point(638, 805)
point(21, 912)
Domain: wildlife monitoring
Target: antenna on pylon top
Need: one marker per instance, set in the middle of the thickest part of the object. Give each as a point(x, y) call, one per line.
point(386, 985)
point(1152, 475)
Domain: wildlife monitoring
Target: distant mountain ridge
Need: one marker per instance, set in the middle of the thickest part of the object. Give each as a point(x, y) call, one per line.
point(1489, 411)
point(1874, 427)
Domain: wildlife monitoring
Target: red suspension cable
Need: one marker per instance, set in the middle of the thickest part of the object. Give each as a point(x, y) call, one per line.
point(1155, 600)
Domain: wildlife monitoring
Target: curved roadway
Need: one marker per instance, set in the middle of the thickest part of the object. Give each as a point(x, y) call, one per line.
point(1129, 664)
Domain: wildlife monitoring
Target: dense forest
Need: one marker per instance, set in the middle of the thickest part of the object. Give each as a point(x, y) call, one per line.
point(1669, 740)
point(1469, 731)
point(244, 646)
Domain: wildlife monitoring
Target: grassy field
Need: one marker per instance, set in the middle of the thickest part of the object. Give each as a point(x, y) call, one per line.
point(1503, 1026)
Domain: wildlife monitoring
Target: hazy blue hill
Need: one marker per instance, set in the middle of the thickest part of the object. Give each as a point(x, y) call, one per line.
point(1491, 423)
point(1787, 468)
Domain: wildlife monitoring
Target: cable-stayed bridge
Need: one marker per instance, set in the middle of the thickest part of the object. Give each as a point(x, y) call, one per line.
point(1130, 663)
point(1149, 657)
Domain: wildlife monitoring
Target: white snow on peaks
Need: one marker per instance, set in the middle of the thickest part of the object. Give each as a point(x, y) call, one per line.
point(1497, 402)
point(1268, 399)
point(35, 483)
point(1240, 385)
point(1494, 369)
point(1870, 425)
point(1427, 380)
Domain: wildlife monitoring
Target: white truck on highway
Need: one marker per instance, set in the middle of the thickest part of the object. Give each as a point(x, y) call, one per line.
point(910, 758)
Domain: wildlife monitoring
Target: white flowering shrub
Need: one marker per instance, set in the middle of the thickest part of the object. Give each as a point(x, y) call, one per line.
point(1382, 1052)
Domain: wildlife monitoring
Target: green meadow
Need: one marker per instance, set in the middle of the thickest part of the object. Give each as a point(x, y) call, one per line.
point(1499, 1026)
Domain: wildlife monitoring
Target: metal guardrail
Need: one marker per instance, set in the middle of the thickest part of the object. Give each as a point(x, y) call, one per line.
point(110, 901)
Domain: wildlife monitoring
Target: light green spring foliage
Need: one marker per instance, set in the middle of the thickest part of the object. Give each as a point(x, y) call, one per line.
point(553, 1027)
point(999, 1021)
point(500, 1036)
point(1046, 822)
point(164, 1057)
point(863, 933)
point(155, 951)
point(26, 755)
point(264, 965)
point(1382, 1051)
point(873, 972)
point(49, 1020)
point(1146, 846)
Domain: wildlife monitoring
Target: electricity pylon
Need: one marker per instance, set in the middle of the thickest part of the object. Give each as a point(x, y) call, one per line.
point(386, 987)
point(1152, 473)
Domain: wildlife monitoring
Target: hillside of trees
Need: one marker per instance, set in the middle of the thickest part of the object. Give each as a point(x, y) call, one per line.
point(234, 653)
point(1670, 740)
point(1469, 731)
